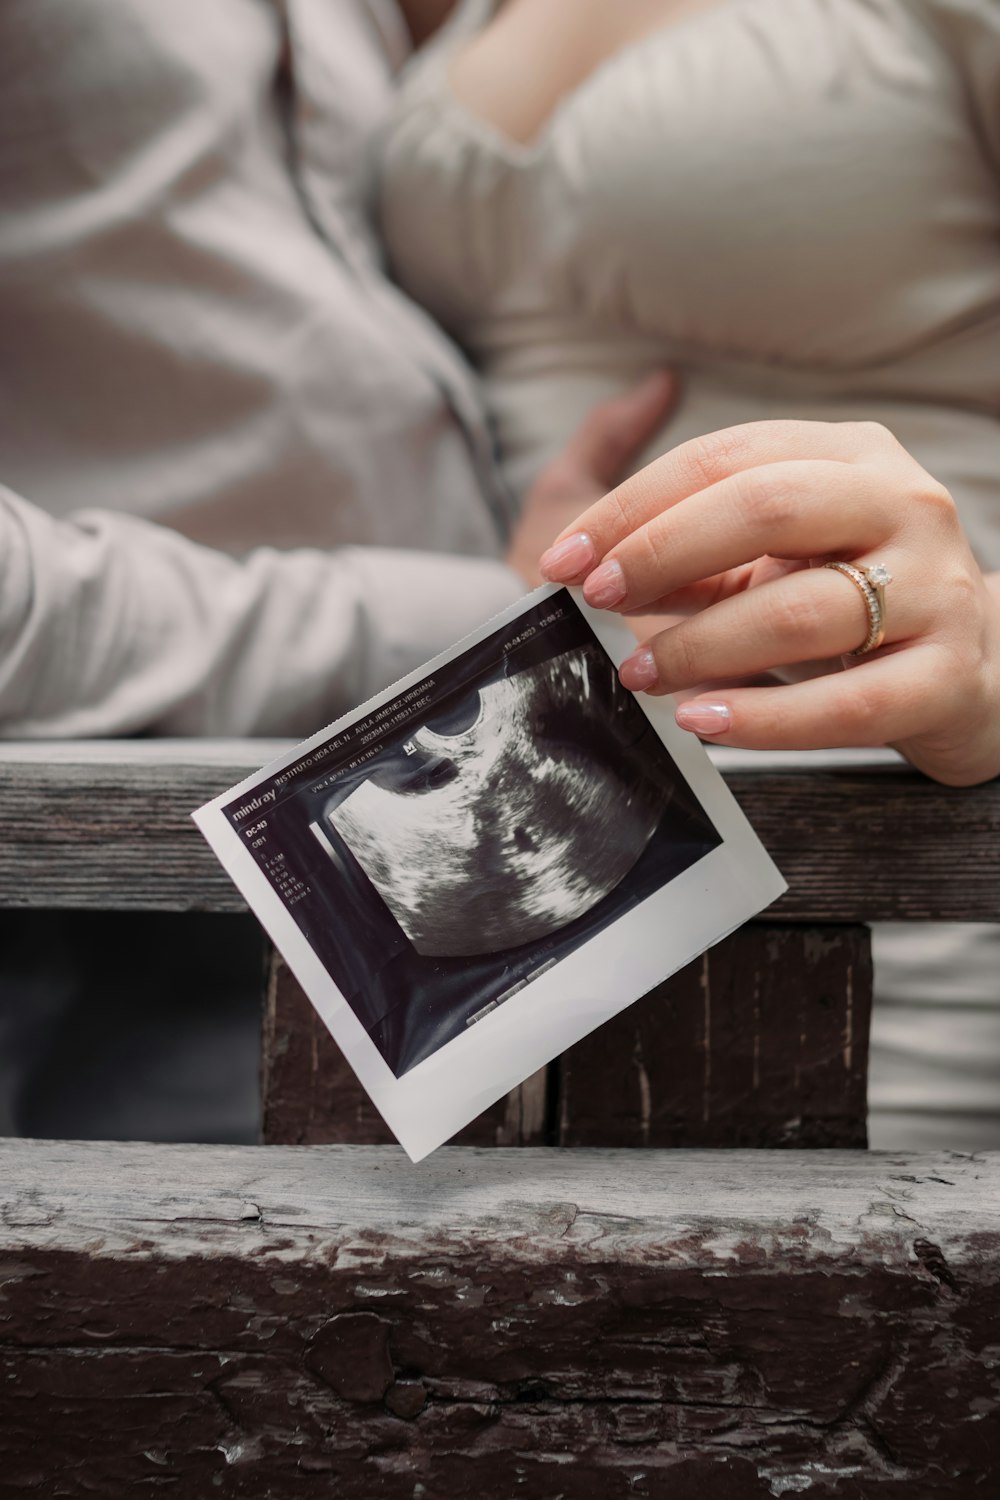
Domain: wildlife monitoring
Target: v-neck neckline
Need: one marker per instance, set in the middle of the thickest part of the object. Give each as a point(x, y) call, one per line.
point(517, 153)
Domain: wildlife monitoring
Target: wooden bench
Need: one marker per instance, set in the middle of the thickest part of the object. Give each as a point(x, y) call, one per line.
point(536, 1322)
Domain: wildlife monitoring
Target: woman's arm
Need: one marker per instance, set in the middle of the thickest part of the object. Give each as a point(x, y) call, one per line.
point(732, 529)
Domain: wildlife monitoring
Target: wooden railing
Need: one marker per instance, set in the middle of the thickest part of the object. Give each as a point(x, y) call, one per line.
point(604, 1322)
point(859, 837)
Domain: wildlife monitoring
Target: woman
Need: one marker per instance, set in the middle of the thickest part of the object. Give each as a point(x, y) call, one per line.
point(799, 206)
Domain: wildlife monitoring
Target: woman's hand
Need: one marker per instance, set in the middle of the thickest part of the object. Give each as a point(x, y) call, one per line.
point(604, 447)
point(729, 530)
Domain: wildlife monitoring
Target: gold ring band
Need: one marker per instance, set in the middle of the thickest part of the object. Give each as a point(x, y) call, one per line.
point(870, 584)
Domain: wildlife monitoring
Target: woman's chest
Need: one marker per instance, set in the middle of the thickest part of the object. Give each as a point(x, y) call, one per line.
point(526, 56)
point(794, 180)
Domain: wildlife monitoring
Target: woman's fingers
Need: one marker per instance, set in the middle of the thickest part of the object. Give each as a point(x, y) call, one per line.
point(604, 446)
point(606, 443)
point(696, 466)
point(815, 614)
point(708, 591)
point(880, 702)
point(792, 510)
point(726, 525)
point(611, 438)
point(707, 525)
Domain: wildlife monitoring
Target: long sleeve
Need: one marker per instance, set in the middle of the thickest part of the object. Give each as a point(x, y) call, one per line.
point(113, 625)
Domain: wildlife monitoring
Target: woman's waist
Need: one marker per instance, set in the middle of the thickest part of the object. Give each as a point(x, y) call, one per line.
point(961, 369)
point(956, 439)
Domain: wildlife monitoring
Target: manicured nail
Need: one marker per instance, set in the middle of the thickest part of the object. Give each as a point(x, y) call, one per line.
point(605, 586)
point(568, 558)
point(638, 671)
point(704, 718)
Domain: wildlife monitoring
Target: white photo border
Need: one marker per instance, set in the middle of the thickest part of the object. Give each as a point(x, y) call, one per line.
point(609, 971)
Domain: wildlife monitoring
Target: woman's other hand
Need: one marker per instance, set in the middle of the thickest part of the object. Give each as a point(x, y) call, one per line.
point(600, 453)
point(730, 531)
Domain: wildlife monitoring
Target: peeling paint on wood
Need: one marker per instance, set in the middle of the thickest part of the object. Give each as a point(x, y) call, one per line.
point(497, 1323)
point(745, 1047)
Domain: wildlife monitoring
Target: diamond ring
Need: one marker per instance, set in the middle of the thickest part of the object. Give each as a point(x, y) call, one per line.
point(870, 583)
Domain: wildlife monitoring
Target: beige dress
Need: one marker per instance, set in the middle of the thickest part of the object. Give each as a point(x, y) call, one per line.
point(796, 202)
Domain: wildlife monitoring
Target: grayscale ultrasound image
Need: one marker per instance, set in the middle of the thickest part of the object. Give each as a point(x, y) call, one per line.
point(464, 837)
point(510, 827)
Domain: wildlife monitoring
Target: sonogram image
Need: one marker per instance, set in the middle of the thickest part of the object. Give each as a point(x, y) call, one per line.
point(454, 842)
point(512, 814)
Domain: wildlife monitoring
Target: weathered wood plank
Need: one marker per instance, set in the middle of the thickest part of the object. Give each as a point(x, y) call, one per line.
point(762, 1042)
point(110, 828)
point(311, 1095)
point(617, 1324)
point(107, 826)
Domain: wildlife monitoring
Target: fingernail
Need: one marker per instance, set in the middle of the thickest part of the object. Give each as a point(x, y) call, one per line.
point(704, 718)
point(568, 558)
point(605, 586)
point(638, 671)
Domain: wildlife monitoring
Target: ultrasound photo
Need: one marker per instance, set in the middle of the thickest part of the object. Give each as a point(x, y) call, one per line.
point(521, 812)
point(483, 863)
point(512, 815)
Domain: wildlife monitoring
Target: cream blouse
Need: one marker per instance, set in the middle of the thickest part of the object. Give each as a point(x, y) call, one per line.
point(797, 202)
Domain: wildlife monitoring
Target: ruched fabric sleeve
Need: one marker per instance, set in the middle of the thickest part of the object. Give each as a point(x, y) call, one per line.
point(110, 625)
point(970, 32)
